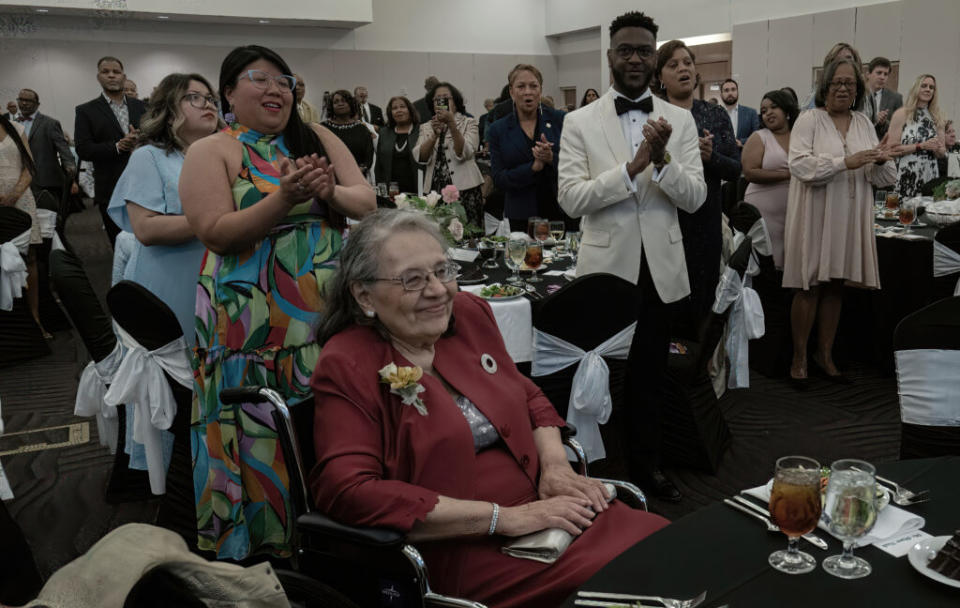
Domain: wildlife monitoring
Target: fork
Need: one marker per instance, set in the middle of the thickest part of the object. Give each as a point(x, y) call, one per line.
point(903, 496)
point(666, 601)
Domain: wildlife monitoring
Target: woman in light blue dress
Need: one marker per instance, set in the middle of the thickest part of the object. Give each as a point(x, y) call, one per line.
point(166, 256)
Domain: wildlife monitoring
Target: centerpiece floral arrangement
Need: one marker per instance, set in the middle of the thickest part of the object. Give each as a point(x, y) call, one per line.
point(947, 191)
point(445, 209)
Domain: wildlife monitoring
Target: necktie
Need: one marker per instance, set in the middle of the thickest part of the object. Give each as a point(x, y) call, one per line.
point(624, 105)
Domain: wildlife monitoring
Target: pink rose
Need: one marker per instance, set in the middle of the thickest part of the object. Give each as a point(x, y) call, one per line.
point(450, 194)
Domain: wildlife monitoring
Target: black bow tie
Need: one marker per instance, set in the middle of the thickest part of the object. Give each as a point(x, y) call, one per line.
point(624, 105)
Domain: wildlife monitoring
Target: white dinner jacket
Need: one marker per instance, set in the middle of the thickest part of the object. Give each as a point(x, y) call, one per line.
point(617, 224)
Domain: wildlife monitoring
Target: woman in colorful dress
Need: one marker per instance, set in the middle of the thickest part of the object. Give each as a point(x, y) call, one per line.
point(267, 196)
point(447, 144)
point(917, 134)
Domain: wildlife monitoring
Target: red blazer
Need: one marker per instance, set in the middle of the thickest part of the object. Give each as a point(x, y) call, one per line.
point(379, 462)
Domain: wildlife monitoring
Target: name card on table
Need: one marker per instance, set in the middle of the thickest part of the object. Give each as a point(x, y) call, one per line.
point(900, 546)
point(463, 255)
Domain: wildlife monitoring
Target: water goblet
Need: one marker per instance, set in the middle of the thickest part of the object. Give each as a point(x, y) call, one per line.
point(908, 213)
point(488, 253)
point(573, 246)
point(394, 189)
point(532, 226)
point(879, 200)
point(850, 511)
point(515, 252)
point(556, 231)
point(795, 507)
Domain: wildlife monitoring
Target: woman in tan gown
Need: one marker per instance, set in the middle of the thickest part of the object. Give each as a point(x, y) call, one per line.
point(828, 235)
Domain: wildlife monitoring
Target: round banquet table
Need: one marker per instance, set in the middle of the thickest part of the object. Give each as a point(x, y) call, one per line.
point(724, 552)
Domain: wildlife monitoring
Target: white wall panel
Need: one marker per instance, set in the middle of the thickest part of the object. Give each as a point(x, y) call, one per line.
point(790, 57)
point(931, 44)
point(878, 31)
point(749, 61)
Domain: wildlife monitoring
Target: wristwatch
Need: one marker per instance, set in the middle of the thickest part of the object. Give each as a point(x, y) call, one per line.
point(665, 162)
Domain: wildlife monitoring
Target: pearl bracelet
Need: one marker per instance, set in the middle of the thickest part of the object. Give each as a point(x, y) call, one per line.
point(493, 519)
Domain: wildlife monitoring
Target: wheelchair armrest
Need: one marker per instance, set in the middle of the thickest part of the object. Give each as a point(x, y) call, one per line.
point(628, 493)
point(314, 523)
point(567, 431)
point(566, 436)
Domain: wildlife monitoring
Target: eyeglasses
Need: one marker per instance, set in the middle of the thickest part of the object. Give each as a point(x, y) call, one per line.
point(845, 84)
point(200, 101)
point(626, 51)
point(261, 80)
point(416, 280)
point(23, 100)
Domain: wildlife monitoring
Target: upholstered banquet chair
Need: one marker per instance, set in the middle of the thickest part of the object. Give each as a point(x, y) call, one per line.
point(161, 388)
point(927, 352)
point(946, 261)
point(21, 339)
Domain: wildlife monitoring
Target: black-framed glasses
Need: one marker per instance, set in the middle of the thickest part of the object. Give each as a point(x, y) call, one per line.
point(845, 84)
point(261, 80)
point(200, 101)
point(416, 280)
point(626, 51)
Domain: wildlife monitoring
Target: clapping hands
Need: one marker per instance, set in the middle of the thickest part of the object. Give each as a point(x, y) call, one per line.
point(305, 178)
point(657, 134)
point(706, 146)
point(542, 153)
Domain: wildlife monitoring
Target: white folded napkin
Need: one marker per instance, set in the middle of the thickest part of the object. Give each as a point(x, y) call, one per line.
point(463, 255)
point(892, 522)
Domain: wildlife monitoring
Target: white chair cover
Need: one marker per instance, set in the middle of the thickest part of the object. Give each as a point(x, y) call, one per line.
point(946, 261)
point(48, 228)
point(590, 402)
point(124, 250)
point(760, 237)
point(94, 381)
point(140, 381)
point(745, 322)
point(929, 386)
point(13, 270)
point(5, 492)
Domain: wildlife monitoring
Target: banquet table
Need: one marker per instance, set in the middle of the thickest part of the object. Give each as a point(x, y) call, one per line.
point(724, 552)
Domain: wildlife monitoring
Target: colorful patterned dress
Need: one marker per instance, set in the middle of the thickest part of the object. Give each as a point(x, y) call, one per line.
point(256, 312)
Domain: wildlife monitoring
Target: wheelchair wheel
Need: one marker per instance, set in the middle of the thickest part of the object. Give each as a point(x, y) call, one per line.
point(305, 592)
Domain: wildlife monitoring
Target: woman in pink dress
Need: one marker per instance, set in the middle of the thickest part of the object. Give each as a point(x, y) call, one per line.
point(834, 159)
point(473, 459)
point(764, 161)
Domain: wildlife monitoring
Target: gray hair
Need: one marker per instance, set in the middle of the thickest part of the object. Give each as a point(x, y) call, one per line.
point(360, 263)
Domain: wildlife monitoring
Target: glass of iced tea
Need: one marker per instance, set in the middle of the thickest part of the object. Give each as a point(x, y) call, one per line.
point(533, 259)
point(908, 213)
point(893, 200)
point(795, 507)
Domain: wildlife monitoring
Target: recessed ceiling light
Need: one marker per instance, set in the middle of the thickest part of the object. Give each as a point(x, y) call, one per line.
point(42, 10)
point(264, 21)
point(162, 17)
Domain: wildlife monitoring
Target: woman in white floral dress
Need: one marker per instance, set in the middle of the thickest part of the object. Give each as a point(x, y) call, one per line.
point(918, 128)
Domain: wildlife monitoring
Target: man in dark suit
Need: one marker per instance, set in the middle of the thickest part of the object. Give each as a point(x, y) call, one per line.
point(106, 132)
point(51, 153)
point(745, 120)
point(369, 113)
point(420, 105)
point(880, 103)
point(11, 110)
point(484, 120)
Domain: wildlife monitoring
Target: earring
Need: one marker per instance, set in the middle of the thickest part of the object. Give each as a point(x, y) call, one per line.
point(230, 117)
point(370, 314)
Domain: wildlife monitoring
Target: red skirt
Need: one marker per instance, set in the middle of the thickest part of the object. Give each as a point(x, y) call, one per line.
point(476, 569)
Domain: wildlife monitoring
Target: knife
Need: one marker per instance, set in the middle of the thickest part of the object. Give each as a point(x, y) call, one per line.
point(810, 537)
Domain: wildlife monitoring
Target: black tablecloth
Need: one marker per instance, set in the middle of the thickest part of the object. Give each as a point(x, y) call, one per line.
point(545, 286)
point(725, 553)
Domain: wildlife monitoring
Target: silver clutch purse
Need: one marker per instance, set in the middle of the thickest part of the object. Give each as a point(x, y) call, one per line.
point(546, 545)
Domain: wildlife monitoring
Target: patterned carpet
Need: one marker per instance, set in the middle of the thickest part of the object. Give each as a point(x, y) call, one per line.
point(59, 492)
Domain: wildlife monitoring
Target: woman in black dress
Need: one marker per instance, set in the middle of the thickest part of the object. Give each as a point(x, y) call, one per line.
point(342, 112)
point(677, 77)
point(395, 161)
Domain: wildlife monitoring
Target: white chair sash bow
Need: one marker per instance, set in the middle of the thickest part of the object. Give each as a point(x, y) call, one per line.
point(745, 321)
point(48, 228)
point(140, 381)
point(13, 270)
point(94, 381)
point(929, 386)
point(946, 261)
point(494, 227)
point(590, 402)
point(760, 237)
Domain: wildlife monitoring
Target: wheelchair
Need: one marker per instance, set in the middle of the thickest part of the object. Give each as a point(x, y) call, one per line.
point(370, 566)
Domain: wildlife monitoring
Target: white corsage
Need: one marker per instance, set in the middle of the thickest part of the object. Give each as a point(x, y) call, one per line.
point(405, 382)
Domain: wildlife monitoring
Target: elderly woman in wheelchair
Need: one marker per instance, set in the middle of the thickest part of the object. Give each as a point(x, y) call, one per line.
point(424, 425)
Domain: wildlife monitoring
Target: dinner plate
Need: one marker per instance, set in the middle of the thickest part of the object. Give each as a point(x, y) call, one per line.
point(475, 281)
point(920, 555)
point(500, 298)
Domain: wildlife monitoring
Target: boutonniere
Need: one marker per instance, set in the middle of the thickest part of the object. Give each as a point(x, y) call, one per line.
point(405, 382)
point(548, 125)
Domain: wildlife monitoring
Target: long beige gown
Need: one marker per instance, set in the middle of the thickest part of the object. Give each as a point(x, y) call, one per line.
point(828, 233)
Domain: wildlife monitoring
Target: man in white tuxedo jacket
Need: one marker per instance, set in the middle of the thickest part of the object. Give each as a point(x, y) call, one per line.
point(627, 162)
